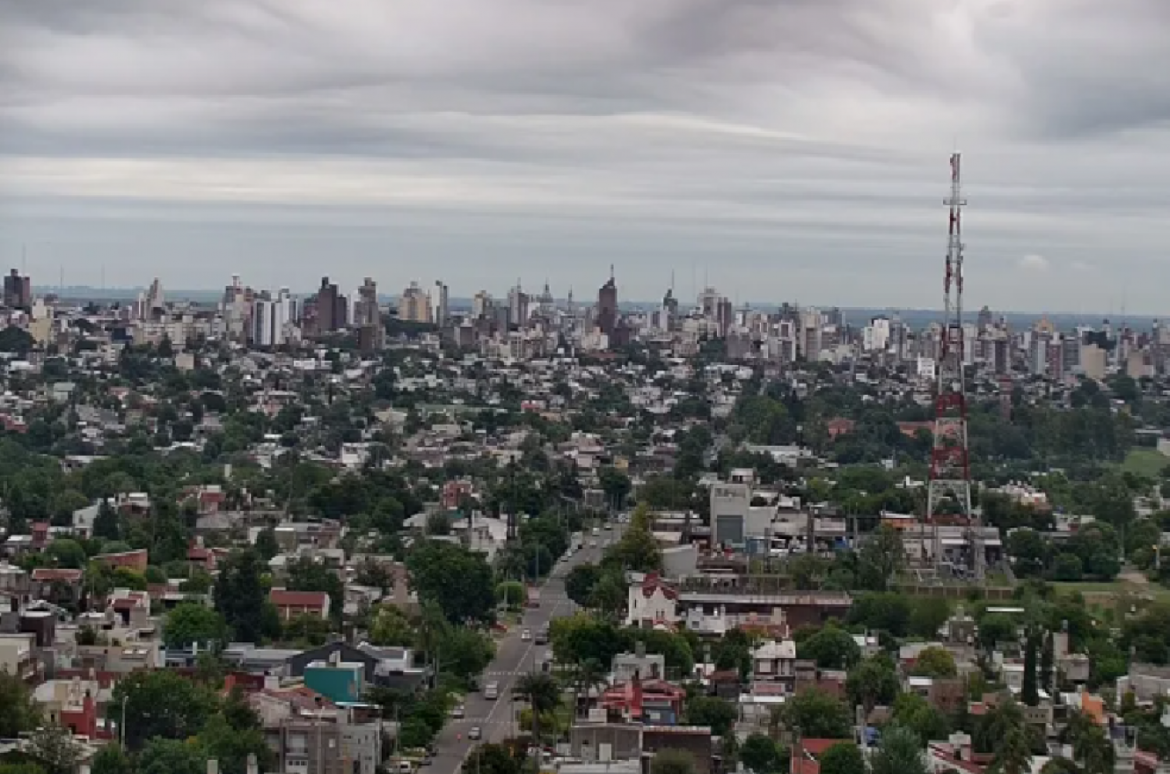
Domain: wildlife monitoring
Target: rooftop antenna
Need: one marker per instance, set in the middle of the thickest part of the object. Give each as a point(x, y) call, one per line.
point(23, 260)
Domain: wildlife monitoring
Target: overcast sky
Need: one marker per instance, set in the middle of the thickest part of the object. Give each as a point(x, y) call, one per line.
point(783, 149)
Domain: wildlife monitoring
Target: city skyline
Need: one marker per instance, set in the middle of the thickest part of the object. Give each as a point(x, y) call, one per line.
point(790, 151)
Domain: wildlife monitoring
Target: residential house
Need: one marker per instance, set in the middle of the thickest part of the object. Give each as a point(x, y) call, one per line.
point(652, 603)
point(290, 604)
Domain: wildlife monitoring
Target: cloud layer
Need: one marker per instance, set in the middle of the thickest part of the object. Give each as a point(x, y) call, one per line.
point(786, 149)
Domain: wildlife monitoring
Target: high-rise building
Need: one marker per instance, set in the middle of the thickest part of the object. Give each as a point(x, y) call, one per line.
point(481, 305)
point(607, 305)
point(517, 306)
point(331, 307)
point(441, 300)
point(414, 305)
point(17, 291)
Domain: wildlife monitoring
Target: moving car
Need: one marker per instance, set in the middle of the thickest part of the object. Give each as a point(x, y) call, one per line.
point(526, 635)
point(491, 690)
point(457, 712)
point(475, 733)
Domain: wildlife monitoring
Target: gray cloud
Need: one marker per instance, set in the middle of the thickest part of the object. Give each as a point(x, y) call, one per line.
point(796, 147)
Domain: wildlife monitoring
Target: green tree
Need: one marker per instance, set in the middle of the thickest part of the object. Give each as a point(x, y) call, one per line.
point(105, 524)
point(161, 703)
point(914, 712)
point(873, 682)
point(927, 616)
point(1004, 730)
point(459, 581)
point(511, 594)
point(818, 715)
point(171, 756)
point(66, 552)
point(1093, 750)
point(760, 754)
point(18, 710)
point(1030, 692)
point(266, 545)
point(54, 749)
point(192, 622)
point(842, 758)
point(240, 598)
point(637, 550)
point(831, 647)
point(543, 695)
point(110, 759)
point(580, 582)
point(900, 752)
point(935, 662)
point(233, 734)
point(711, 711)
point(391, 627)
point(616, 485)
point(881, 558)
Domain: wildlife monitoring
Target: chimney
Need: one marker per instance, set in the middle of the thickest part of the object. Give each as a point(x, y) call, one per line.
point(252, 767)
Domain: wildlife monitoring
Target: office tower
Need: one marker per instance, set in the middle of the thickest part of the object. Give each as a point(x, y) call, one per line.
point(607, 305)
point(414, 305)
point(17, 291)
point(263, 333)
point(441, 312)
point(517, 306)
point(481, 305)
point(330, 307)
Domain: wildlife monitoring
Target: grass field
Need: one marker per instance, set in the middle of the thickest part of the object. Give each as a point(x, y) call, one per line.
point(1112, 589)
point(1145, 462)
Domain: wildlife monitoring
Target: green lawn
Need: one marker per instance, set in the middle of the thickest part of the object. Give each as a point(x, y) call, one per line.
point(1160, 593)
point(1145, 462)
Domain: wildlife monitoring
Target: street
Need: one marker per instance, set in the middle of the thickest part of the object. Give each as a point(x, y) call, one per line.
point(514, 657)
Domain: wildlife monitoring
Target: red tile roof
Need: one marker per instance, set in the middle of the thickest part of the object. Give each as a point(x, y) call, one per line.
point(286, 598)
point(49, 574)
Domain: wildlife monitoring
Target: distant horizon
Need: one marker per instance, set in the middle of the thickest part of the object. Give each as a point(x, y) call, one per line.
point(116, 293)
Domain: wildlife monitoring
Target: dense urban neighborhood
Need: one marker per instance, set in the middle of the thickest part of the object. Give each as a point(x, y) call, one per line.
point(335, 535)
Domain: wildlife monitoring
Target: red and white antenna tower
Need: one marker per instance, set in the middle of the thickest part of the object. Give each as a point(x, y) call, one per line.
point(950, 468)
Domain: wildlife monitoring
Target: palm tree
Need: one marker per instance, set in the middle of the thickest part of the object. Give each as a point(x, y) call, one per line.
point(543, 695)
point(588, 673)
point(1093, 751)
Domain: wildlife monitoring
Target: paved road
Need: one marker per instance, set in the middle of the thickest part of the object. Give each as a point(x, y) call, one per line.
point(514, 657)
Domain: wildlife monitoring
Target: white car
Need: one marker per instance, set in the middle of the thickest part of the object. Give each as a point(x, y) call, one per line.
point(475, 733)
point(526, 635)
point(457, 713)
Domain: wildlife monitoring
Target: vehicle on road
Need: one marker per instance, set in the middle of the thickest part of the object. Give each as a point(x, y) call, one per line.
point(457, 712)
point(475, 733)
point(526, 635)
point(542, 635)
point(491, 690)
point(593, 544)
point(596, 531)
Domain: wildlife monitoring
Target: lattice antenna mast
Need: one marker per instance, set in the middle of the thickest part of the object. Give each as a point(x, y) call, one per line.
point(950, 470)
